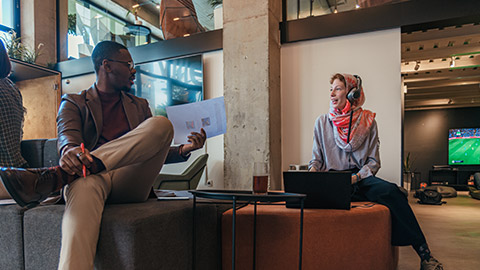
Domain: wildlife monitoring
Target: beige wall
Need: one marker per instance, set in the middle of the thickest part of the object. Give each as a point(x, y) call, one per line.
point(306, 69)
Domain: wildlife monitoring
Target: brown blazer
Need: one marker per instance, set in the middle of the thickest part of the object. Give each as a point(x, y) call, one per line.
point(80, 119)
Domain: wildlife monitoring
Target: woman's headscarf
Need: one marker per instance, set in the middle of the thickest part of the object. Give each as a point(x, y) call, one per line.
point(362, 120)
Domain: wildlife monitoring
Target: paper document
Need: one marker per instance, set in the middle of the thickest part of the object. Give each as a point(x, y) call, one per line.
point(208, 114)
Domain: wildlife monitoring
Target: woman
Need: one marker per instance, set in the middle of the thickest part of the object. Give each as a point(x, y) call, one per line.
point(11, 116)
point(341, 144)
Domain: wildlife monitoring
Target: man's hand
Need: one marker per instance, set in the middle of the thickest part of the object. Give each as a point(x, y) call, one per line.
point(197, 140)
point(73, 160)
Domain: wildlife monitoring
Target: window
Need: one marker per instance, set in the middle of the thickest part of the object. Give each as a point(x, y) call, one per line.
point(10, 15)
point(299, 9)
point(92, 21)
point(89, 24)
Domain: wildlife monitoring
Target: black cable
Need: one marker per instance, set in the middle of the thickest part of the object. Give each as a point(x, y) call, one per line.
point(349, 126)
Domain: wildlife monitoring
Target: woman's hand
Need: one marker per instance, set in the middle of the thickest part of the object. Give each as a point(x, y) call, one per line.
point(355, 178)
point(312, 169)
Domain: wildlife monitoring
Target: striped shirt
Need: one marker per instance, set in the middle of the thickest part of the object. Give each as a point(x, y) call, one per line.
point(326, 155)
point(11, 122)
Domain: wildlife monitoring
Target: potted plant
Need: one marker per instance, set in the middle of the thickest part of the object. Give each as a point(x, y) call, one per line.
point(217, 14)
point(19, 51)
point(408, 173)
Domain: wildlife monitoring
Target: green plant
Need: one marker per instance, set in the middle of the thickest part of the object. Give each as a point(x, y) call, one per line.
point(72, 24)
point(31, 56)
point(407, 163)
point(214, 3)
point(14, 46)
point(17, 50)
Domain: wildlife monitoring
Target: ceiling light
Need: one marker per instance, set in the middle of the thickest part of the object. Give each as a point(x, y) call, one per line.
point(158, 6)
point(452, 62)
point(186, 35)
point(417, 66)
point(136, 6)
point(335, 11)
point(356, 4)
point(176, 19)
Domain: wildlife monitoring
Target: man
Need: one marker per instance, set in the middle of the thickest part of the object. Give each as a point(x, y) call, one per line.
point(124, 150)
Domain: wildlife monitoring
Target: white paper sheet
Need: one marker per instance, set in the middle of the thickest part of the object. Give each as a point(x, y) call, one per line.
point(209, 115)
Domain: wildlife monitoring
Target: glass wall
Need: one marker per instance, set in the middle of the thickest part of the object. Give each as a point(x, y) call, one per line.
point(170, 82)
point(299, 9)
point(89, 24)
point(146, 21)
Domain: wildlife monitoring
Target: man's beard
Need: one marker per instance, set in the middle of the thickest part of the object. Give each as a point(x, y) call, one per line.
point(127, 89)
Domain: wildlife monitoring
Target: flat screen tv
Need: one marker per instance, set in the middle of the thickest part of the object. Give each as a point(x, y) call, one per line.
point(464, 146)
point(169, 82)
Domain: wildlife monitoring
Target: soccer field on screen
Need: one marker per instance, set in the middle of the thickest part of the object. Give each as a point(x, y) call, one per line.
point(464, 151)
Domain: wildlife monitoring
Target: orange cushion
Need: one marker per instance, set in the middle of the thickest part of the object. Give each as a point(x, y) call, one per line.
point(332, 239)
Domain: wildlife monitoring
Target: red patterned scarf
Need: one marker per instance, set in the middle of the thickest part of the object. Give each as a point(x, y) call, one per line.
point(361, 121)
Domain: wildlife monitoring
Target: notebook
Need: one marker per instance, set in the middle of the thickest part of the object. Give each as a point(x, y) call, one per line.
point(326, 190)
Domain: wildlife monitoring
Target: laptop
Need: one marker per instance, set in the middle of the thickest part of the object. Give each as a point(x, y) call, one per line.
point(325, 190)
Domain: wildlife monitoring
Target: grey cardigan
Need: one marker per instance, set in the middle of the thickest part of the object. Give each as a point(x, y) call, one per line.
point(326, 155)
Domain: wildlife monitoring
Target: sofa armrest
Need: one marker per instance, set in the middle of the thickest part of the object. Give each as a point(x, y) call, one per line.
point(32, 152)
point(50, 153)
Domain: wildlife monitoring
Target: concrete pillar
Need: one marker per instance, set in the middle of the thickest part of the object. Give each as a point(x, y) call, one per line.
point(251, 49)
point(38, 26)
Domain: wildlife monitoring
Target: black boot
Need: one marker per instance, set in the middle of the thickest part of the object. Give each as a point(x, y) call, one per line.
point(29, 187)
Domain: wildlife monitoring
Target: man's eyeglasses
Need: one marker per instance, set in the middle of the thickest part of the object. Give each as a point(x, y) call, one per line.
point(130, 64)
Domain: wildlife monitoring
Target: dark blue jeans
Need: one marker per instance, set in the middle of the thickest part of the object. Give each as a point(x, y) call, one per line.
point(405, 228)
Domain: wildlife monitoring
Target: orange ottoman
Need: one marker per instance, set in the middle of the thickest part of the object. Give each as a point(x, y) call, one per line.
point(332, 239)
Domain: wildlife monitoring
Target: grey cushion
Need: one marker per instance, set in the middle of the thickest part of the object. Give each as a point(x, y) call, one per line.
point(11, 237)
point(150, 235)
point(42, 234)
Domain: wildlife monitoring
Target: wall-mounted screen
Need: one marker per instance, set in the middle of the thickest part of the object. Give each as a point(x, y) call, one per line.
point(464, 146)
point(169, 82)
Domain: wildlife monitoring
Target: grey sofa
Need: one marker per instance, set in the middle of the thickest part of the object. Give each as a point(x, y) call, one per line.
point(150, 235)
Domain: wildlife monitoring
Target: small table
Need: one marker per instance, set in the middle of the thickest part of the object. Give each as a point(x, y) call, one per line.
point(246, 196)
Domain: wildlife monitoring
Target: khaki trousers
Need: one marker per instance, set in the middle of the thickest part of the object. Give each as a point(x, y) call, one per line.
point(132, 163)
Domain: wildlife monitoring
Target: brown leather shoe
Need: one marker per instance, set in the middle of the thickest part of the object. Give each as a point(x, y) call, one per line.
point(29, 187)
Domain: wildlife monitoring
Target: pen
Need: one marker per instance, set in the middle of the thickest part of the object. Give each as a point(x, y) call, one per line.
point(84, 169)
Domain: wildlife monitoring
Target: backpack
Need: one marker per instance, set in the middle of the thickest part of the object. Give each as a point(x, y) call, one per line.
point(447, 192)
point(429, 196)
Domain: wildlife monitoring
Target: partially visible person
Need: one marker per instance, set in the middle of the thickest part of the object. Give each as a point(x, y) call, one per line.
point(346, 139)
point(11, 116)
point(124, 149)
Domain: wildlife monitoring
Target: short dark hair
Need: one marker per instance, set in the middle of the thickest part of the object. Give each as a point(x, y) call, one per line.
point(5, 66)
point(105, 50)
